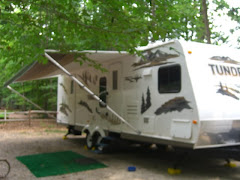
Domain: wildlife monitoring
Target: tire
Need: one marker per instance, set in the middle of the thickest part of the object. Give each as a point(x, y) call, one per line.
point(89, 141)
point(98, 142)
point(4, 168)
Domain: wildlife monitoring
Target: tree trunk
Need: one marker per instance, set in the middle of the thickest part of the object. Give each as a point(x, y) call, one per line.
point(24, 103)
point(206, 22)
point(153, 23)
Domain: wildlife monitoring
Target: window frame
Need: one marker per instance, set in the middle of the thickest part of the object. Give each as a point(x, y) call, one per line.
point(180, 80)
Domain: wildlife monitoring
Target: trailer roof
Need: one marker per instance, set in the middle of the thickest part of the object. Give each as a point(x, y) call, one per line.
point(38, 70)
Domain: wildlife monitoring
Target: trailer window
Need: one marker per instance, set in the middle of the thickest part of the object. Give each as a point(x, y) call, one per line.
point(103, 90)
point(169, 79)
point(72, 86)
point(115, 80)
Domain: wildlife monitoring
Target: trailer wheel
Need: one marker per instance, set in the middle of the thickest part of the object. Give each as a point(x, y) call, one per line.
point(99, 146)
point(89, 141)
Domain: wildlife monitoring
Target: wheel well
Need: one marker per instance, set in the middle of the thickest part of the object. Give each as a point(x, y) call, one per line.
point(96, 133)
point(99, 132)
point(86, 131)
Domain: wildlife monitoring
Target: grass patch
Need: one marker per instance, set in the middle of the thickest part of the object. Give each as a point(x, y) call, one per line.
point(2, 116)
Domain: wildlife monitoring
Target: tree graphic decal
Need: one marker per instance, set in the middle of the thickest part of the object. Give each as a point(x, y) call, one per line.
point(148, 99)
point(143, 107)
point(146, 105)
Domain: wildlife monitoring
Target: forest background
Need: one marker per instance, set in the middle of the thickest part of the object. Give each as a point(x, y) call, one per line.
point(28, 27)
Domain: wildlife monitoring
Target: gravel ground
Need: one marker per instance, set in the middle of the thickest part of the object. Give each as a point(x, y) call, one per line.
point(18, 139)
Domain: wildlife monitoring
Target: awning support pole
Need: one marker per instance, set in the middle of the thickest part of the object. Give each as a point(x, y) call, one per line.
point(90, 92)
point(28, 100)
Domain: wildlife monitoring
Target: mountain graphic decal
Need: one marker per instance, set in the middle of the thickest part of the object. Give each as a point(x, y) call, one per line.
point(176, 104)
point(150, 59)
point(224, 59)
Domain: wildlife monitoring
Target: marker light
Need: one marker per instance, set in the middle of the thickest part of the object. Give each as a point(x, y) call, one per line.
point(194, 121)
point(189, 52)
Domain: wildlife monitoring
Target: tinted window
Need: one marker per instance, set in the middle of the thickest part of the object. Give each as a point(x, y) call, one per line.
point(115, 80)
point(169, 79)
point(72, 86)
point(103, 90)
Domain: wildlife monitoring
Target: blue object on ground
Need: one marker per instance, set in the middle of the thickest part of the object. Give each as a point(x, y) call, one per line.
point(131, 168)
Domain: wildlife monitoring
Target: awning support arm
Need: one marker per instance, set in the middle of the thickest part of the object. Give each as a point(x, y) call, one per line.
point(28, 100)
point(90, 92)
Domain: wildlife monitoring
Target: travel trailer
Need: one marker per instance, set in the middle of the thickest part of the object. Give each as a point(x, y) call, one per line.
point(178, 93)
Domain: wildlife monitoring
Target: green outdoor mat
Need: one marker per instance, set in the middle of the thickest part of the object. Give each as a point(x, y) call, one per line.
point(57, 163)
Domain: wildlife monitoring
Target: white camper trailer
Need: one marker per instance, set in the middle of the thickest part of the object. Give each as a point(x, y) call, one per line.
point(179, 93)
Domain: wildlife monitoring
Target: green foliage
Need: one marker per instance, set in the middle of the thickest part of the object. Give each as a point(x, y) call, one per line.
point(232, 12)
point(42, 92)
point(221, 4)
point(28, 27)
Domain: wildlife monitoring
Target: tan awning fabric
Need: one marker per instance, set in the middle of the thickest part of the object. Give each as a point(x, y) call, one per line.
point(39, 71)
point(42, 71)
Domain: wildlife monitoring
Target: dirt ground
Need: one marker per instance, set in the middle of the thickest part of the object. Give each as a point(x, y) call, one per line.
point(18, 139)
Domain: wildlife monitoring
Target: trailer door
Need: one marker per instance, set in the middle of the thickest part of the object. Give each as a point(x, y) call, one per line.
point(115, 94)
point(66, 100)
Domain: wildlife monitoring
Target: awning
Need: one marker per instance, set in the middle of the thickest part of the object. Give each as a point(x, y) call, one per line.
point(65, 64)
point(37, 70)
